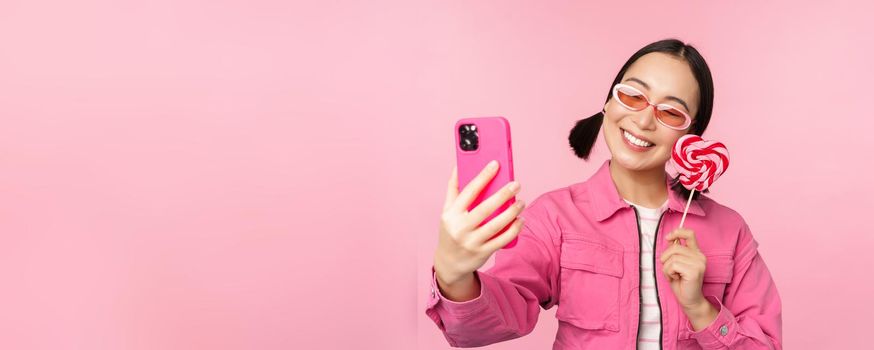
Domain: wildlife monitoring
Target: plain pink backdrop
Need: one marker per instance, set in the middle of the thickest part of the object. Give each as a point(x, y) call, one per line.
point(269, 175)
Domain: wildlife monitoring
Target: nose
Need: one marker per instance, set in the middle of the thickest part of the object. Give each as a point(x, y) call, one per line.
point(646, 118)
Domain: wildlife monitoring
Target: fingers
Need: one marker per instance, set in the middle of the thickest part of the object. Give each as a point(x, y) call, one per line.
point(495, 201)
point(679, 266)
point(486, 231)
point(452, 189)
point(501, 240)
point(676, 249)
point(686, 234)
point(473, 189)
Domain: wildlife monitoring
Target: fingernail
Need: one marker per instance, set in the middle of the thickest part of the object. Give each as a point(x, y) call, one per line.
point(493, 165)
point(514, 186)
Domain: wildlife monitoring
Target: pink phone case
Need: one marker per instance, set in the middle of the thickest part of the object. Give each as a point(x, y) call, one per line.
point(494, 144)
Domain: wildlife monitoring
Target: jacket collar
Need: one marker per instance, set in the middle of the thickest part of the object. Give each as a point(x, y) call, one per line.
point(605, 200)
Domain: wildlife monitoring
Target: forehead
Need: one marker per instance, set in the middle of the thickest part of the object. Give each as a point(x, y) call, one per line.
point(666, 75)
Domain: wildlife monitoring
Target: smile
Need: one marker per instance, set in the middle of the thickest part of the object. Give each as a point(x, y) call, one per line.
point(635, 140)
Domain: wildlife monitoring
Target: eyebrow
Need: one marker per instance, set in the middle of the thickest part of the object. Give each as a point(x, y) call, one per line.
point(672, 98)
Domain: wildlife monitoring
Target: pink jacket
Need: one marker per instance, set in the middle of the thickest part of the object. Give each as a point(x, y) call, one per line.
point(579, 249)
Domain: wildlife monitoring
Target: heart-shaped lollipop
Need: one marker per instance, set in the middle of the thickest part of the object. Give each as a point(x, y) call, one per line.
point(699, 163)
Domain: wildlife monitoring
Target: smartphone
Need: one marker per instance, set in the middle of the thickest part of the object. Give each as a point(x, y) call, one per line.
point(477, 142)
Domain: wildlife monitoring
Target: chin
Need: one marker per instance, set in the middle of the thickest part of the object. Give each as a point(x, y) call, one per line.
point(631, 163)
point(634, 161)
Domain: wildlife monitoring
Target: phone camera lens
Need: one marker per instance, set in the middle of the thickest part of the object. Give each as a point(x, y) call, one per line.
point(468, 138)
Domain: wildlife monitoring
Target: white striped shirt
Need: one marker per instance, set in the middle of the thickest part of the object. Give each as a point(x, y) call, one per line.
point(650, 316)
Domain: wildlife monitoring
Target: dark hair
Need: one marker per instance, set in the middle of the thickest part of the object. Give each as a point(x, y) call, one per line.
point(585, 132)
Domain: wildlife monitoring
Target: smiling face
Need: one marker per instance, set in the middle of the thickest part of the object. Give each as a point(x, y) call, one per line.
point(637, 141)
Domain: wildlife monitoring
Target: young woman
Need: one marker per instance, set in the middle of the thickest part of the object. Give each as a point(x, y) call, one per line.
point(603, 250)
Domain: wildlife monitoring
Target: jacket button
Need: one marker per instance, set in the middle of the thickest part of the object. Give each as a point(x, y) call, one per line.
point(723, 330)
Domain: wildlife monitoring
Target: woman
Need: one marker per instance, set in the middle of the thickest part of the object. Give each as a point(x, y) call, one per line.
point(603, 249)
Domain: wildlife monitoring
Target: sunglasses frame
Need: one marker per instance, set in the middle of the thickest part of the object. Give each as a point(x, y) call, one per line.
point(655, 107)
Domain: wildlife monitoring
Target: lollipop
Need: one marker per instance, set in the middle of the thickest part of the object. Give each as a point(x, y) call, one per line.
point(699, 163)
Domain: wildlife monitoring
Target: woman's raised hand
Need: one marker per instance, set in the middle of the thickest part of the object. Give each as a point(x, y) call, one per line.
point(463, 245)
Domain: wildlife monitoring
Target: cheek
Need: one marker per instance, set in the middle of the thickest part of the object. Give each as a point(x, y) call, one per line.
point(666, 143)
point(669, 137)
point(610, 117)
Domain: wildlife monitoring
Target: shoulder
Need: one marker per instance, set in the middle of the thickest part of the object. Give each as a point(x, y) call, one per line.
point(731, 223)
point(719, 213)
point(545, 213)
point(560, 201)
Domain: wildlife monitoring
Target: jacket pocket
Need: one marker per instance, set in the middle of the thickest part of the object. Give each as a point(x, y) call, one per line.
point(718, 273)
point(590, 284)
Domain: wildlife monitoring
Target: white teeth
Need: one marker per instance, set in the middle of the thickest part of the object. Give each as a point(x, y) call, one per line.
point(635, 140)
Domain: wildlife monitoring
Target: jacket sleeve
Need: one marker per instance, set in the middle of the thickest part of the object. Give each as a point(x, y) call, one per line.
point(750, 317)
point(522, 280)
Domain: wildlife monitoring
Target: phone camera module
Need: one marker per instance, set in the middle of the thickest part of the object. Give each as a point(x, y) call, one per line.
point(468, 137)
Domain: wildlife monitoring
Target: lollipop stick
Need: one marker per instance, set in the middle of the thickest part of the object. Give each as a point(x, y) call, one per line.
point(683, 220)
point(687, 208)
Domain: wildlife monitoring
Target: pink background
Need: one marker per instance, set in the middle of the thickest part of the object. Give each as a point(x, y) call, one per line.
point(267, 175)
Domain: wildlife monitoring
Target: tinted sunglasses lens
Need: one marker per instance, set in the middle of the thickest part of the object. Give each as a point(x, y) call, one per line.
point(671, 116)
point(633, 99)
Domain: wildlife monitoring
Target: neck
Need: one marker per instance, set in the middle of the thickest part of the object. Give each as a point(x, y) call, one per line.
point(644, 187)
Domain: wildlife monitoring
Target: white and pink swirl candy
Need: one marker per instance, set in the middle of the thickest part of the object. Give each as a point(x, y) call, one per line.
point(699, 162)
